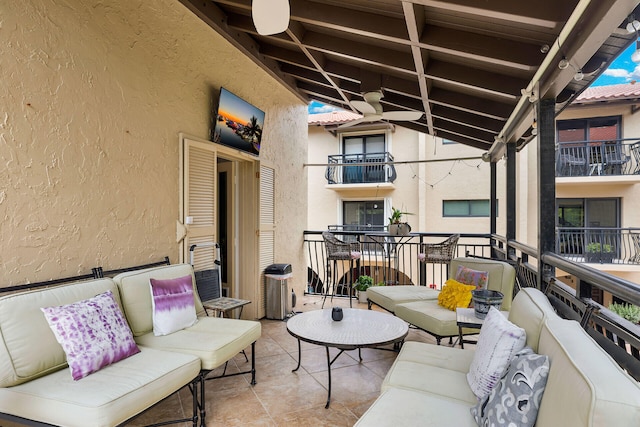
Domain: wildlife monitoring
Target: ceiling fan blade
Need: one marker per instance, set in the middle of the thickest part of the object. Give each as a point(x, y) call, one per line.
point(270, 16)
point(363, 107)
point(402, 115)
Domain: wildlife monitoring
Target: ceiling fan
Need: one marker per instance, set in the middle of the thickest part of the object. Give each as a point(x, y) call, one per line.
point(270, 16)
point(371, 110)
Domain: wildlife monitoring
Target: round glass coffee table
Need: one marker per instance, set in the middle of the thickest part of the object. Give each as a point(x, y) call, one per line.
point(358, 329)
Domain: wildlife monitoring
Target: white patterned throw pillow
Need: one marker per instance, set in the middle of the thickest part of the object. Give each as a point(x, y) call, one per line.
point(93, 333)
point(515, 400)
point(498, 343)
point(173, 305)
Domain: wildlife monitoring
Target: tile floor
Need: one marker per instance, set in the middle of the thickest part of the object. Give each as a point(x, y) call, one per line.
point(283, 398)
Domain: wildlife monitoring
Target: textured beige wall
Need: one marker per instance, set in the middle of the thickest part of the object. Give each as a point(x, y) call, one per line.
point(94, 95)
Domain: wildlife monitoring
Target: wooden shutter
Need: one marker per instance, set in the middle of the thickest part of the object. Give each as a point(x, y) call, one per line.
point(199, 201)
point(267, 230)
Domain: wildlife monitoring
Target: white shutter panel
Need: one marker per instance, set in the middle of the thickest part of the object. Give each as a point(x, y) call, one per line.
point(200, 201)
point(267, 230)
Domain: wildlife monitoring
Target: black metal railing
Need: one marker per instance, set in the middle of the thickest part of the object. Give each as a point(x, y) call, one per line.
point(599, 245)
point(362, 168)
point(579, 294)
point(577, 291)
point(598, 158)
point(391, 260)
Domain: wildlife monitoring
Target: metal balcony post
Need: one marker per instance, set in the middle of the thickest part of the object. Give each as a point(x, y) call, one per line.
point(545, 110)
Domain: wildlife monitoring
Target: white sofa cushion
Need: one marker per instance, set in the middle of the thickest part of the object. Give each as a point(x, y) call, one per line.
point(399, 408)
point(388, 297)
point(529, 309)
point(432, 369)
point(28, 348)
point(105, 398)
point(586, 387)
point(498, 342)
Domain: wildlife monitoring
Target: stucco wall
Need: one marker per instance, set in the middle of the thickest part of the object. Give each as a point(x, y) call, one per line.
point(94, 95)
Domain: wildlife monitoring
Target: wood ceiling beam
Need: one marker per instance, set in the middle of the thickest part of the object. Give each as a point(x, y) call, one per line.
point(481, 81)
point(362, 52)
point(296, 32)
point(466, 131)
point(287, 56)
point(470, 104)
point(541, 13)
point(478, 47)
point(414, 20)
point(468, 119)
point(215, 18)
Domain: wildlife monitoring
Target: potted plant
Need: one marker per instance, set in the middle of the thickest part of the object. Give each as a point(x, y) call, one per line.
point(363, 283)
point(396, 226)
point(597, 252)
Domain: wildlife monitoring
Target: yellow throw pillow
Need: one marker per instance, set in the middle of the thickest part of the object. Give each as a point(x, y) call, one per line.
point(455, 294)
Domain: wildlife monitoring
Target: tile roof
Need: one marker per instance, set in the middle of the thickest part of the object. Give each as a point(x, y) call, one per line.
point(332, 118)
point(609, 93)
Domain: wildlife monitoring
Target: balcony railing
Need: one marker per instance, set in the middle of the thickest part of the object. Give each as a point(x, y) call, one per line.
point(600, 245)
point(598, 158)
point(363, 168)
point(396, 262)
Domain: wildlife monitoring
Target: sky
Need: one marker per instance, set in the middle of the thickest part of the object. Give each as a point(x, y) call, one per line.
point(621, 71)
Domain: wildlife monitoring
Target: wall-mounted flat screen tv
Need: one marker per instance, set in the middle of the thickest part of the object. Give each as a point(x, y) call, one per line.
point(238, 124)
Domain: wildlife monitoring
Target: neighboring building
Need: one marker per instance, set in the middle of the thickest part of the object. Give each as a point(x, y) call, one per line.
point(446, 185)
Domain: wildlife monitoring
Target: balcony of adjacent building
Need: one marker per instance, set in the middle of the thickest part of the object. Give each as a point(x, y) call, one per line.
point(360, 171)
point(589, 162)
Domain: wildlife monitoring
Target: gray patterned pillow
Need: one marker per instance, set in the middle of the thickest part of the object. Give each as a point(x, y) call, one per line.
point(515, 400)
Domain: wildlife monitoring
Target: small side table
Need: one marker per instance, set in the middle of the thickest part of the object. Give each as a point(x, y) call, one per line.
point(222, 305)
point(466, 318)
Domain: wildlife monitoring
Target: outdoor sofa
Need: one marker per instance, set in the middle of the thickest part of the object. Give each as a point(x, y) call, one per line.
point(36, 389)
point(427, 385)
point(418, 305)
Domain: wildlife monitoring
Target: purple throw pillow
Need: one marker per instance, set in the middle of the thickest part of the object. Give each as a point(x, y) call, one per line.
point(93, 333)
point(173, 305)
point(469, 276)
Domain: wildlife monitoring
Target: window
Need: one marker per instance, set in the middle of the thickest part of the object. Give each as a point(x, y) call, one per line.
point(363, 215)
point(447, 141)
point(468, 208)
point(368, 149)
point(588, 212)
point(592, 129)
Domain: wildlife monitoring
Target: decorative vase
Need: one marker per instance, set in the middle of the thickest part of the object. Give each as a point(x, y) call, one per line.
point(336, 314)
point(484, 299)
point(399, 229)
point(362, 296)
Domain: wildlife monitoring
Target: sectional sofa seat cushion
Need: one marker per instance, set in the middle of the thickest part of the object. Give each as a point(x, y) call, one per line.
point(432, 317)
point(28, 347)
point(213, 340)
point(398, 407)
point(93, 333)
point(585, 387)
point(105, 398)
point(173, 305)
point(432, 369)
point(388, 297)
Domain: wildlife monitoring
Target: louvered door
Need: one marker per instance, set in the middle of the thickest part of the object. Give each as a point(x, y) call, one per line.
point(199, 200)
point(267, 229)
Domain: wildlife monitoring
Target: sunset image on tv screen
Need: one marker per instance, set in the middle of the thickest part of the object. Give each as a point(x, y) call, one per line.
point(238, 124)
